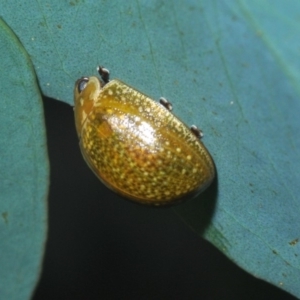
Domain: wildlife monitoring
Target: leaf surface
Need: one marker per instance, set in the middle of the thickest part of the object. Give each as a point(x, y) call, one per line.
point(24, 171)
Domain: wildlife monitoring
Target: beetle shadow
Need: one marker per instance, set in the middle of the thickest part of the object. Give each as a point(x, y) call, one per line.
point(198, 212)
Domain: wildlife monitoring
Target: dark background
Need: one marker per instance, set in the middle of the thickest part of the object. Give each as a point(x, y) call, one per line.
point(103, 247)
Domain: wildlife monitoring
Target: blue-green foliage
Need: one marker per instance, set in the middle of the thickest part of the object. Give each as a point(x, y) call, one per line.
point(23, 171)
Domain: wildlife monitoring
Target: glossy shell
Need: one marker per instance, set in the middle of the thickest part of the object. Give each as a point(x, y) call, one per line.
point(136, 147)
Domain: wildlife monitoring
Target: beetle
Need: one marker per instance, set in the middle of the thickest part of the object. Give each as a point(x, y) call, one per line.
point(136, 146)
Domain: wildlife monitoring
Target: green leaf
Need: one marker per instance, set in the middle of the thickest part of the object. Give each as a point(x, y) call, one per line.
point(24, 171)
point(232, 68)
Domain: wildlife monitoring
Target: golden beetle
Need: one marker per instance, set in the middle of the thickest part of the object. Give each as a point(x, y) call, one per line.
point(136, 146)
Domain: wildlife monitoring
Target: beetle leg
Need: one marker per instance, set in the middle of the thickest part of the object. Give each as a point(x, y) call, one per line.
point(104, 74)
point(164, 102)
point(196, 131)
